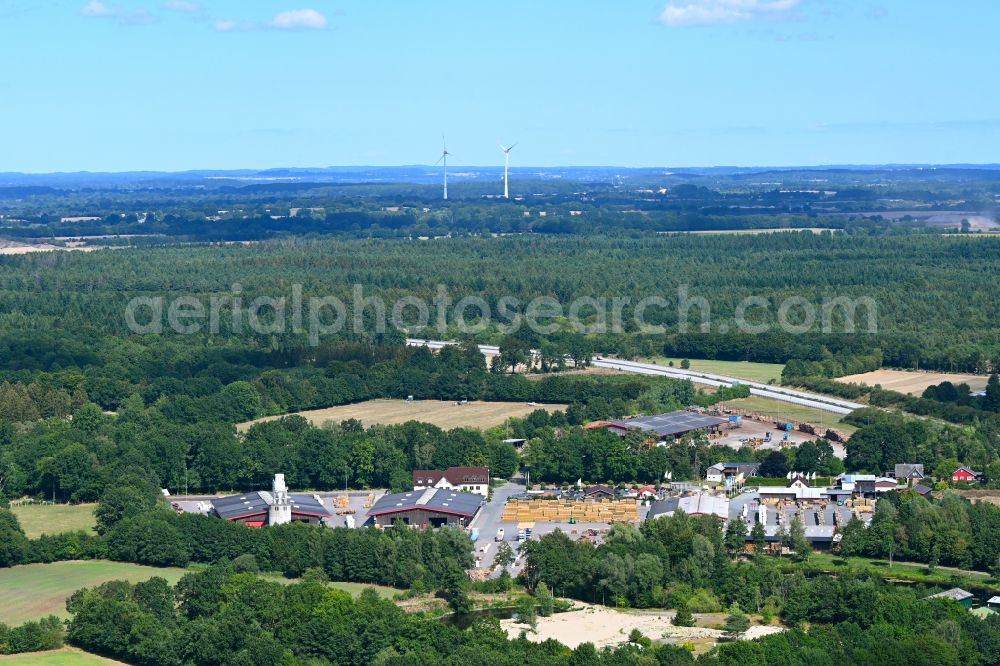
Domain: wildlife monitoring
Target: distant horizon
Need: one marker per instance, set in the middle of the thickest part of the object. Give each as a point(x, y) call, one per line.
point(455, 169)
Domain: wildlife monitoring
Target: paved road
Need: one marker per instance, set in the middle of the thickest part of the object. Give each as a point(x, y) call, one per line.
point(792, 396)
point(488, 522)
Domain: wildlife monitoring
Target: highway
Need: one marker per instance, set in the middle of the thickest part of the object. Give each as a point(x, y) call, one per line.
point(791, 396)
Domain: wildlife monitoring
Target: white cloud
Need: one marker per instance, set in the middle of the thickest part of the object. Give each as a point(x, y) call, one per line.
point(97, 9)
point(682, 13)
point(298, 19)
point(183, 6)
point(295, 19)
point(103, 10)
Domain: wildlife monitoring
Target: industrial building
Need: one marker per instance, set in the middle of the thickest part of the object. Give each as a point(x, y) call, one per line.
point(664, 426)
point(429, 507)
point(277, 507)
point(698, 504)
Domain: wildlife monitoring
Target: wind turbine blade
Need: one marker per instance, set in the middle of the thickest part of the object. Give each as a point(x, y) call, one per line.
point(439, 160)
point(511, 147)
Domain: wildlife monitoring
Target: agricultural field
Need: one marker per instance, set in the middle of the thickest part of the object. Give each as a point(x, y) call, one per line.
point(783, 410)
point(39, 519)
point(913, 381)
point(64, 657)
point(32, 591)
point(752, 372)
point(442, 413)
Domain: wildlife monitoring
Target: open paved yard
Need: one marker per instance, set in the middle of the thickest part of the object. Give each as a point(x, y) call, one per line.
point(442, 413)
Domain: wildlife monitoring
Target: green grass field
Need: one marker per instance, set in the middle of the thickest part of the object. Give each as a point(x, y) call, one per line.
point(32, 591)
point(752, 372)
point(64, 657)
point(910, 571)
point(777, 408)
point(38, 519)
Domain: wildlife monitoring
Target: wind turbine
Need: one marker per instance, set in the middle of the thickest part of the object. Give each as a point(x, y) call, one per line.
point(506, 167)
point(444, 158)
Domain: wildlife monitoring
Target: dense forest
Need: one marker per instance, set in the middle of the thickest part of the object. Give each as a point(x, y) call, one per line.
point(68, 309)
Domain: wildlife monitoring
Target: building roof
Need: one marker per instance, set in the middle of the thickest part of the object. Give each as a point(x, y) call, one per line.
point(955, 593)
point(307, 505)
point(699, 504)
point(672, 423)
point(599, 490)
point(993, 600)
point(455, 475)
point(909, 471)
point(233, 507)
point(748, 468)
point(921, 489)
point(966, 469)
point(436, 500)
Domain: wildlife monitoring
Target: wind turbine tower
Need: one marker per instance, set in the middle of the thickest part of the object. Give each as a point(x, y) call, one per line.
point(506, 168)
point(444, 159)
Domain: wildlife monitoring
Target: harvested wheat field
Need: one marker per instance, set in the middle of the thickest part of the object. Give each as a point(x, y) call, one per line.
point(442, 413)
point(913, 381)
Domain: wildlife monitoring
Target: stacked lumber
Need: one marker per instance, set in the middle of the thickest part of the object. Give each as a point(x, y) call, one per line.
point(560, 511)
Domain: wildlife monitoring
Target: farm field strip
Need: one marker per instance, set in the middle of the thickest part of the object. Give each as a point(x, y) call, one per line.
point(443, 413)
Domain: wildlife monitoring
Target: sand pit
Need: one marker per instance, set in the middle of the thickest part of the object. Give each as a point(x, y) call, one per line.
point(603, 626)
point(913, 382)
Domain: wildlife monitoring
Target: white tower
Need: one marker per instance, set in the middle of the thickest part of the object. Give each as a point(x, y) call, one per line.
point(444, 158)
point(280, 511)
point(506, 168)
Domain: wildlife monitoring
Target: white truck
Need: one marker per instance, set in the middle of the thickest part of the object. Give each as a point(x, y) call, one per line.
point(499, 536)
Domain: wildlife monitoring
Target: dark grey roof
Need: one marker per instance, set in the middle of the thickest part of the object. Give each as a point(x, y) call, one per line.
point(232, 507)
point(663, 507)
point(240, 506)
point(906, 471)
point(307, 505)
point(673, 423)
point(431, 499)
point(921, 489)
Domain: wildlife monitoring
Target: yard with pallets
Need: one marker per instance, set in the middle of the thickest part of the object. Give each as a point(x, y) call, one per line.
point(39, 519)
point(779, 410)
point(32, 591)
point(561, 511)
point(444, 414)
point(748, 370)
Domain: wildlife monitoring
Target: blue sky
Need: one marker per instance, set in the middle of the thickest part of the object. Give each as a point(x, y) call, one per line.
point(186, 84)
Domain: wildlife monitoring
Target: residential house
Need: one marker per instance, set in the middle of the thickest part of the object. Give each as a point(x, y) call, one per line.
point(965, 475)
point(599, 492)
point(738, 471)
point(909, 473)
point(474, 480)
